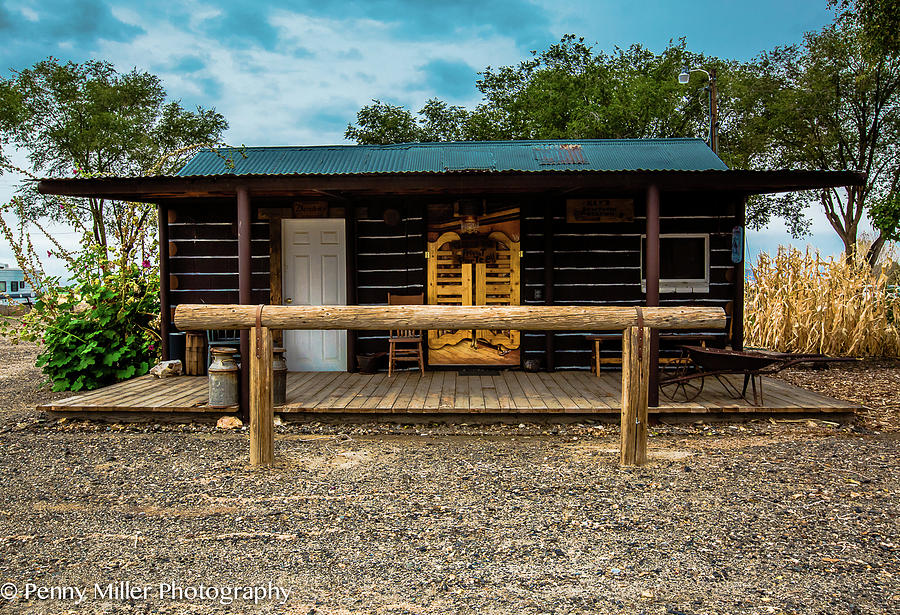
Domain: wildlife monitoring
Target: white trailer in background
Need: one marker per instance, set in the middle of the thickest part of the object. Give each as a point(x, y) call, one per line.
point(13, 287)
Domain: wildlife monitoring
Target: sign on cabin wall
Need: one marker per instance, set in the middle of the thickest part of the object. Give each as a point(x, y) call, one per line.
point(599, 210)
point(310, 209)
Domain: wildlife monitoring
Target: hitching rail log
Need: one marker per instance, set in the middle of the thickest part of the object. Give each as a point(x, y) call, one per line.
point(190, 317)
point(636, 323)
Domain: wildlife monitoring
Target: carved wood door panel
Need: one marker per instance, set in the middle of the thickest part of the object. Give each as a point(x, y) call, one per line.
point(483, 270)
point(497, 283)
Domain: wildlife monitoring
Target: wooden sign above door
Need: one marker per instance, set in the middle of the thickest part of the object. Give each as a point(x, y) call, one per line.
point(599, 210)
point(310, 209)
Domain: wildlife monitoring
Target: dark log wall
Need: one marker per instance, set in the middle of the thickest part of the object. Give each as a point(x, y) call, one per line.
point(593, 264)
point(203, 255)
point(389, 259)
point(599, 264)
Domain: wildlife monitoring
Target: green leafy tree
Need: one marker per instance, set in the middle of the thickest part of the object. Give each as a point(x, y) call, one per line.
point(836, 106)
point(567, 91)
point(439, 121)
point(382, 123)
point(87, 119)
point(879, 20)
point(571, 91)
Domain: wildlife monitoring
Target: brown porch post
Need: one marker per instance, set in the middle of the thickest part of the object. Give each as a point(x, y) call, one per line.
point(737, 310)
point(244, 287)
point(352, 299)
point(652, 271)
point(165, 314)
point(549, 339)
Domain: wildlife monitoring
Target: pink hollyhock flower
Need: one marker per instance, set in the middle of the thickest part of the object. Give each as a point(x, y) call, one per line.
point(145, 264)
point(49, 255)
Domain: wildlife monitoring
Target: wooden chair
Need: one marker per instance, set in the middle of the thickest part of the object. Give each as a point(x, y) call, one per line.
point(405, 344)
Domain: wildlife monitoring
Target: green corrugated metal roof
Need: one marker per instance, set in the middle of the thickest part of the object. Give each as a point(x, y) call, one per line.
point(455, 157)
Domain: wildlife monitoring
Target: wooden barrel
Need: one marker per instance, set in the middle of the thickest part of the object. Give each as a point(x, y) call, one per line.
point(194, 354)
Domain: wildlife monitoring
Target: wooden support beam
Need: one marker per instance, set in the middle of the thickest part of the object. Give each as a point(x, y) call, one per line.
point(244, 286)
point(262, 417)
point(189, 317)
point(652, 271)
point(275, 283)
point(737, 312)
point(635, 387)
point(549, 340)
point(165, 320)
point(352, 297)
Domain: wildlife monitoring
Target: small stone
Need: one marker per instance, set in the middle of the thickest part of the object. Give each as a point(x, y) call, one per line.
point(166, 369)
point(278, 421)
point(229, 422)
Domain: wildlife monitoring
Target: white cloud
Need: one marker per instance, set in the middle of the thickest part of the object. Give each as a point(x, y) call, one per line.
point(274, 97)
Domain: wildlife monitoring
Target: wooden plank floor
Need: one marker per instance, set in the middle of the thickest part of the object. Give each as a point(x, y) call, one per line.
point(441, 392)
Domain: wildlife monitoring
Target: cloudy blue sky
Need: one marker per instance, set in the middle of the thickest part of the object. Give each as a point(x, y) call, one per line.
point(296, 72)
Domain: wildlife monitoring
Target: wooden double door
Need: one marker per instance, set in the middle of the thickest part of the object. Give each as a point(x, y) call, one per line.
point(474, 270)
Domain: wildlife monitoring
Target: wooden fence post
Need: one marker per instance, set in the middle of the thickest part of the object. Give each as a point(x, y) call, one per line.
point(635, 389)
point(262, 427)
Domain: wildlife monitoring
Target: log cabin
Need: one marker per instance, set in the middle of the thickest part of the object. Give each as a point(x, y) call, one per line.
point(622, 222)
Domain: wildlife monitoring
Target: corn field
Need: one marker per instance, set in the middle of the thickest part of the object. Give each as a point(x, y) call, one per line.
point(800, 302)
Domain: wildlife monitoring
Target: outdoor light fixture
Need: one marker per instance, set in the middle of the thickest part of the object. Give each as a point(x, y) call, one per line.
point(469, 210)
point(468, 225)
point(683, 78)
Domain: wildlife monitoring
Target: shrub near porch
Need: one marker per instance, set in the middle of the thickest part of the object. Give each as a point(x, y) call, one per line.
point(100, 330)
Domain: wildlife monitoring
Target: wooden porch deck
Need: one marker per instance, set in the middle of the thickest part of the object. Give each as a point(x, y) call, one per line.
point(514, 392)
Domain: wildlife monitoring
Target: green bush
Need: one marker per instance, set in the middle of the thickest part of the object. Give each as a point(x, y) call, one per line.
point(101, 328)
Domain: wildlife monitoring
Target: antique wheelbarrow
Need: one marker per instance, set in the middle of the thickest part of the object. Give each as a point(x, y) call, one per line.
point(686, 382)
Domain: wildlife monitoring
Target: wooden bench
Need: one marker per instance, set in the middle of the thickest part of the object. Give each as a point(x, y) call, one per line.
point(688, 338)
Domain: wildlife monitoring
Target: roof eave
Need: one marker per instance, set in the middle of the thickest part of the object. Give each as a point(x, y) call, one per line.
point(156, 189)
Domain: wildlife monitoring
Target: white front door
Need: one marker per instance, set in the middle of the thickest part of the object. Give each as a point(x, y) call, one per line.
point(314, 273)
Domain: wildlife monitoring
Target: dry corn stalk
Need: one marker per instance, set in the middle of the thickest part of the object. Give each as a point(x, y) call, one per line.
point(798, 302)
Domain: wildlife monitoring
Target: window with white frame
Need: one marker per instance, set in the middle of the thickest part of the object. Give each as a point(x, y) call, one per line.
point(2, 287)
point(683, 263)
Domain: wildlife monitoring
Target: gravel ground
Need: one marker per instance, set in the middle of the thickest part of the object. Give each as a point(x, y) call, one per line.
point(874, 383)
point(763, 517)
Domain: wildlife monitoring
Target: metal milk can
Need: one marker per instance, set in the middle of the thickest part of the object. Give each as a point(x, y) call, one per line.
point(279, 377)
point(223, 377)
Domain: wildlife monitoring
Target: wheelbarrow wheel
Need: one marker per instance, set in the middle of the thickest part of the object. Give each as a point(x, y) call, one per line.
point(685, 384)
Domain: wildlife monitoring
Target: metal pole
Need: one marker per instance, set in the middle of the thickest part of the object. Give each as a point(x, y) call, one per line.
point(652, 271)
point(244, 288)
point(713, 113)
